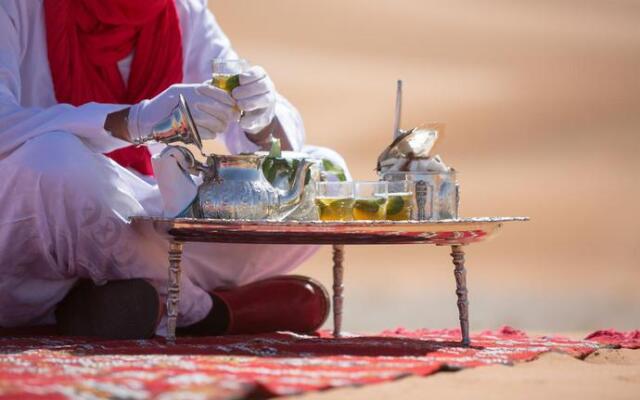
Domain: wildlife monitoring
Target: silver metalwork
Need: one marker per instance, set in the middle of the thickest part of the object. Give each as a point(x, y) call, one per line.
point(457, 200)
point(398, 112)
point(421, 192)
point(444, 232)
point(454, 232)
point(235, 187)
point(461, 291)
point(410, 145)
point(338, 288)
point(176, 127)
point(279, 170)
point(441, 195)
point(173, 296)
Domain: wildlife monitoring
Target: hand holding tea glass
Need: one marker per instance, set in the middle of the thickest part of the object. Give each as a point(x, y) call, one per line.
point(252, 90)
point(226, 73)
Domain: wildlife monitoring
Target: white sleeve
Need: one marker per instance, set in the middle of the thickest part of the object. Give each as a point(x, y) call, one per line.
point(204, 41)
point(19, 124)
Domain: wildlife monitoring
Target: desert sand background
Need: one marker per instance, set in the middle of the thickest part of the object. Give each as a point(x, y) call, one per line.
point(542, 106)
point(605, 374)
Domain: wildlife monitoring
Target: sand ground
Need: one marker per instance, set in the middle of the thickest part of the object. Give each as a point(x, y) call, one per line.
point(606, 374)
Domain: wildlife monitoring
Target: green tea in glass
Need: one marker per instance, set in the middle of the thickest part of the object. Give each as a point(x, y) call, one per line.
point(334, 200)
point(226, 73)
point(370, 200)
point(400, 200)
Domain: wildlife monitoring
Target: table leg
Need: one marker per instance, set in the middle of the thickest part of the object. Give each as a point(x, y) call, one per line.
point(461, 291)
point(338, 287)
point(173, 297)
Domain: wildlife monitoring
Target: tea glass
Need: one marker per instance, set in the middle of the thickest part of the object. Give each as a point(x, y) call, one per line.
point(226, 71)
point(400, 200)
point(370, 200)
point(335, 200)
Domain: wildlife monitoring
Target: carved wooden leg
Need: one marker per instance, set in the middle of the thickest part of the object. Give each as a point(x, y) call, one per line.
point(461, 290)
point(338, 273)
point(173, 297)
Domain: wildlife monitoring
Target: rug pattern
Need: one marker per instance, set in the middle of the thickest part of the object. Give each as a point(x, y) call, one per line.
point(260, 366)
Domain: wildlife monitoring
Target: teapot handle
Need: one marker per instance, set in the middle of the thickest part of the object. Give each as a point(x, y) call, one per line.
point(188, 163)
point(191, 165)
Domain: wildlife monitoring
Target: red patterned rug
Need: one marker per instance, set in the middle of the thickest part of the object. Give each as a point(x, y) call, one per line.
point(261, 366)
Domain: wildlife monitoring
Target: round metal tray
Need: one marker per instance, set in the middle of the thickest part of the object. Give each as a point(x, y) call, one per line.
point(441, 232)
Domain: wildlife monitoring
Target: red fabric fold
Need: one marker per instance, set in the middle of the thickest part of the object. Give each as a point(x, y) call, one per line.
point(628, 340)
point(87, 38)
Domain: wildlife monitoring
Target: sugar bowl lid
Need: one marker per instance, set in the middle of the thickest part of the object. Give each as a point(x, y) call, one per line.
point(414, 143)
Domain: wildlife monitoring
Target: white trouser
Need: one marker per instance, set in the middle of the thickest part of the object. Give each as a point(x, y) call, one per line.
point(63, 216)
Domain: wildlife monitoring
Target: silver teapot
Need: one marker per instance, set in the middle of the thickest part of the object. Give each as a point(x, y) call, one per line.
point(233, 186)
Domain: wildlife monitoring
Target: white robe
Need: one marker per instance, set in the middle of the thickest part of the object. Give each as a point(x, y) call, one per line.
point(64, 205)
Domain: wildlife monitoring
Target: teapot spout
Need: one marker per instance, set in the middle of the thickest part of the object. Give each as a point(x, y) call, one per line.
point(290, 199)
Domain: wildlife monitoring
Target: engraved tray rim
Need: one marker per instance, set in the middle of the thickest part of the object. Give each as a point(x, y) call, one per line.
point(440, 232)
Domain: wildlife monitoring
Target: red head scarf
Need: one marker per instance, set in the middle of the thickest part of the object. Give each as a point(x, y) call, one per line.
point(87, 38)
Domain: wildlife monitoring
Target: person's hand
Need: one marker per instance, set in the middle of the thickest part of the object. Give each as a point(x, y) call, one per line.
point(212, 110)
point(256, 98)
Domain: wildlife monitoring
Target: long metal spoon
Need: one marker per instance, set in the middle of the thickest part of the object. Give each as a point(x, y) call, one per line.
point(396, 122)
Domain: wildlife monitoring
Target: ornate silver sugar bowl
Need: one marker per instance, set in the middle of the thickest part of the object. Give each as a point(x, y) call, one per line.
point(436, 191)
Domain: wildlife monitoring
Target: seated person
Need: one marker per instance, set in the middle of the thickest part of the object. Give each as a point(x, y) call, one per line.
point(79, 81)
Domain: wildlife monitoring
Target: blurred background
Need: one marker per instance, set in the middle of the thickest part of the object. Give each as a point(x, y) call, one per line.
point(541, 102)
